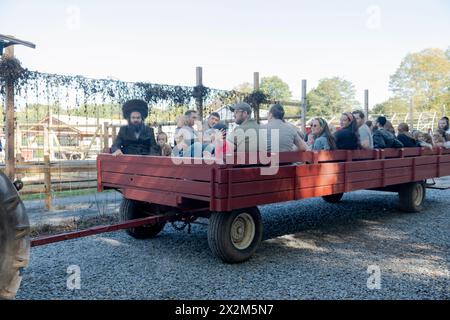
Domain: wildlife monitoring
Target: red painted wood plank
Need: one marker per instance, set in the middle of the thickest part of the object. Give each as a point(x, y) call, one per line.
point(163, 184)
point(156, 160)
point(254, 174)
point(445, 169)
point(318, 191)
point(445, 158)
point(321, 180)
point(318, 169)
point(411, 152)
point(256, 158)
point(397, 163)
point(181, 172)
point(328, 156)
point(426, 160)
point(254, 200)
point(365, 165)
point(254, 187)
point(391, 153)
point(160, 197)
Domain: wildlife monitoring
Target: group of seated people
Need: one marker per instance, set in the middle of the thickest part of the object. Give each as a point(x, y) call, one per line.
point(211, 138)
point(356, 133)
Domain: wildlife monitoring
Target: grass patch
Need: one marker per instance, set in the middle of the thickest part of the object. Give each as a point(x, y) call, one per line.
point(62, 194)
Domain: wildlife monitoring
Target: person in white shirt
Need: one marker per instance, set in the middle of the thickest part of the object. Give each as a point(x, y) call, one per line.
point(365, 134)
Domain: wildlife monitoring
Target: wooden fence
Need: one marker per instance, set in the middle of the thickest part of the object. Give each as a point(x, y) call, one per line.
point(47, 177)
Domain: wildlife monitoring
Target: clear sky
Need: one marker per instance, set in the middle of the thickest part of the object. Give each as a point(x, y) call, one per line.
point(163, 41)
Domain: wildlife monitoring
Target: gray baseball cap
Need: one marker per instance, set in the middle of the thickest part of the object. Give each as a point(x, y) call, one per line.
point(241, 106)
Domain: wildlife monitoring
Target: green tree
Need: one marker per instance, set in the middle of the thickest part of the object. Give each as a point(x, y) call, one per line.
point(331, 97)
point(244, 87)
point(425, 78)
point(391, 106)
point(275, 88)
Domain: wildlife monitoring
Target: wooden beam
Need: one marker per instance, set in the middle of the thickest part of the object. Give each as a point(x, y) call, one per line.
point(303, 111)
point(199, 101)
point(366, 104)
point(256, 88)
point(48, 183)
point(10, 141)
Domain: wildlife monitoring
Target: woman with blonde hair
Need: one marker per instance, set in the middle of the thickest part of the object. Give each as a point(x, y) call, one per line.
point(162, 141)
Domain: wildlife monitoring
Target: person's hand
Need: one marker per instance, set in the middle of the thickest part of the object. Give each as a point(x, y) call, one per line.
point(310, 139)
point(207, 155)
point(118, 152)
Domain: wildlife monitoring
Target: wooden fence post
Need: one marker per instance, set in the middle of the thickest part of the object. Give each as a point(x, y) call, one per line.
point(10, 160)
point(199, 100)
point(256, 88)
point(304, 106)
point(105, 137)
point(366, 104)
point(48, 183)
point(114, 132)
point(411, 114)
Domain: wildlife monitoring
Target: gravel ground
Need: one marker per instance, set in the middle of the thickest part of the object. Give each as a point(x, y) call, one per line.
point(311, 250)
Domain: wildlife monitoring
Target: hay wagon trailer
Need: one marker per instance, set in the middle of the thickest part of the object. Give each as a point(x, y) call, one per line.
point(157, 190)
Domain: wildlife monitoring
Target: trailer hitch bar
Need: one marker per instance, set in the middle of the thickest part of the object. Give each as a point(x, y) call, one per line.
point(39, 241)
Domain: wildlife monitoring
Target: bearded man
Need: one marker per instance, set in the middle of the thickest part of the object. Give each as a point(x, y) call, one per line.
point(136, 137)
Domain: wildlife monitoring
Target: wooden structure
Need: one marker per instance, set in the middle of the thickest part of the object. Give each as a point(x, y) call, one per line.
point(232, 186)
point(228, 194)
point(8, 42)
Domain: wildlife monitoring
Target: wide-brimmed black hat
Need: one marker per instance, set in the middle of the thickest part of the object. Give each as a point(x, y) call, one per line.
point(135, 105)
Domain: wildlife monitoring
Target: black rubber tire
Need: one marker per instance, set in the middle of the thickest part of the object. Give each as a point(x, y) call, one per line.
point(333, 198)
point(132, 209)
point(412, 196)
point(219, 235)
point(14, 239)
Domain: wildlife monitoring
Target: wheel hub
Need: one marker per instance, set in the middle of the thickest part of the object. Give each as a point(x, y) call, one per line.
point(242, 231)
point(418, 194)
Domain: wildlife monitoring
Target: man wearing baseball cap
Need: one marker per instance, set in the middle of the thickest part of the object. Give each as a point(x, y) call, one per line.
point(245, 137)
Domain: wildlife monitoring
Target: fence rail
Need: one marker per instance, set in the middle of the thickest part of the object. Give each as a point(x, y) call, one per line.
point(47, 177)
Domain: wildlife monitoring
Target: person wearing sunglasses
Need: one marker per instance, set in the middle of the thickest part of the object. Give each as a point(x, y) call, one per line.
point(322, 137)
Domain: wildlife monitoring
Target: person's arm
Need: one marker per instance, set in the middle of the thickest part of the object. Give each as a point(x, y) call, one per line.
point(230, 138)
point(300, 143)
point(364, 139)
point(116, 147)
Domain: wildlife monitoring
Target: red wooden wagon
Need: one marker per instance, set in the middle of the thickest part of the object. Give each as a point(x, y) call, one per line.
point(156, 190)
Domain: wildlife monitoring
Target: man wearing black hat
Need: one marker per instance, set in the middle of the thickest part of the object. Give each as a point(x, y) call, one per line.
point(136, 137)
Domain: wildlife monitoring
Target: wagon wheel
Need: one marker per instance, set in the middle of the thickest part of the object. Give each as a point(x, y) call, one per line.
point(132, 209)
point(235, 236)
point(14, 239)
point(412, 196)
point(333, 198)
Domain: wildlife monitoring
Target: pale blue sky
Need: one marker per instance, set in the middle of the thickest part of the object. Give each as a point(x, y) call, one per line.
point(163, 41)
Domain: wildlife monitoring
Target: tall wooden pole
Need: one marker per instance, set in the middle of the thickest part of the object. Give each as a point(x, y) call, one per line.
point(304, 106)
point(256, 88)
point(366, 104)
point(199, 100)
point(10, 160)
point(411, 113)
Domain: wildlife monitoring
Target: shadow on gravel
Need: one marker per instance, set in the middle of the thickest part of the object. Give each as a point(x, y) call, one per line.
point(310, 214)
